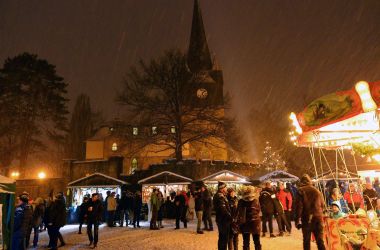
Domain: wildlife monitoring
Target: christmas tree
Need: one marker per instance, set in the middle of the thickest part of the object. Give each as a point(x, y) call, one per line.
point(272, 160)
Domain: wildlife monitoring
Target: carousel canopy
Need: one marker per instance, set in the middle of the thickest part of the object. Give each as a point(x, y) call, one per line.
point(165, 177)
point(96, 180)
point(340, 119)
point(278, 175)
point(226, 176)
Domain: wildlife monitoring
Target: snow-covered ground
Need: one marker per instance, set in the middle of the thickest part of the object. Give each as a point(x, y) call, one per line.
point(164, 239)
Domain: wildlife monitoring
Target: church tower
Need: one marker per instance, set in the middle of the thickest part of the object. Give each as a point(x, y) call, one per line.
point(207, 81)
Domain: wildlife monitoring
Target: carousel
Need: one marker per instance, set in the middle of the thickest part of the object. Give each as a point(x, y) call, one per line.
point(340, 124)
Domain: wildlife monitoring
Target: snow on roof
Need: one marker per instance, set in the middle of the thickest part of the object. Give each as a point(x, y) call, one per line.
point(186, 179)
point(226, 176)
point(6, 180)
point(96, 174)
point(278, 174)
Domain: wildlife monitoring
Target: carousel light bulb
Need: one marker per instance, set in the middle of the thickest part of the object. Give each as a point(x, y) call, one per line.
point(368, 104)
point(376, 157)
point(295, 123)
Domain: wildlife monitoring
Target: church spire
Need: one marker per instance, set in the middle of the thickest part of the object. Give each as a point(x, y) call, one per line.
point(199, 58)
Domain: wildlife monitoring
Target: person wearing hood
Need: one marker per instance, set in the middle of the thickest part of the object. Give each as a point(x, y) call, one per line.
point(266, 198)
point(336, 210)
point(309, 209)
point(223, 215)
point(249, 217)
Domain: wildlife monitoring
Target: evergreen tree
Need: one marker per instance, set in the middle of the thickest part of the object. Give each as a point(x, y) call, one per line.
point(272, 160)
point(32, 105)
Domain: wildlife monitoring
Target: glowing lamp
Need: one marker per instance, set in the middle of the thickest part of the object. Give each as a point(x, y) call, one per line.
point(295, 123)
point(41, 175)
point(368, 104)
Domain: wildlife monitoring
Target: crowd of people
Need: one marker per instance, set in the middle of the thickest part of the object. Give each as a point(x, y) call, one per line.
point(249, 211)
point(36, 216)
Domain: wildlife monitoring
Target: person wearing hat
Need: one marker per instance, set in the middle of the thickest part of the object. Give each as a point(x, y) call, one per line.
point(233, 241)
point(336, 210)
point(309, 209)
point(223, 215)
point(249, 217)
point(22, 222)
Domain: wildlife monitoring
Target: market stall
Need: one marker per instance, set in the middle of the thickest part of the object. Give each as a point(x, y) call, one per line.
point(166, 181)
point(94, 183)
point(232, 179)
point(7, 201)
point(278, 176)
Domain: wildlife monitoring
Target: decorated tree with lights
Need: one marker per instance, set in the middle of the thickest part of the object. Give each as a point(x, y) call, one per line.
point(272, 159)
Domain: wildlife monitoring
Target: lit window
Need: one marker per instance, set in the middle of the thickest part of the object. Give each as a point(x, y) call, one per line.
point(135, 131)
point(154, 130)
point(114, 146)
point(133, 165)
point(172, 130)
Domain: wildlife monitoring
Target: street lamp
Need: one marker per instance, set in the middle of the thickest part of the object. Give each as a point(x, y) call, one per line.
point(15, 174)
point(41, 175)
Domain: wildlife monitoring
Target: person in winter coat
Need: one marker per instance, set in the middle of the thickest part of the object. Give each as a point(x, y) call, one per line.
point(233, 241)
point(129, 207)
point(22, 223)
point(267, 207)
point(111, 209)
point(207, 207)
point(280, 217)
point(309, 205)
point(94, 217)
point(154, 203)
point(38, 213)
point(56, 220)
point(337, 196)
point(137, 205)
point(82, 213)
point(160, 213)
point(198, 209)
point(336, 211)
point(285, 198)
point(249, 208)
point(370, 197)
point(353, 198)
point(123, 204)
point(180, 206)
point(223, 216)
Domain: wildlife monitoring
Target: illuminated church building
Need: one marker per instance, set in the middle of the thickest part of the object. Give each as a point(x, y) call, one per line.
point(206, 89)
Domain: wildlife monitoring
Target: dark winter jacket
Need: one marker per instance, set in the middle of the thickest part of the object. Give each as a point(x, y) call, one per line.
point(82, 211)
point(207, 201)
point(57, 213)
point(198, 202)
point(252, 216)
point(278, 208)
point(137, 203)
point(370, 198)
point(309, 204)
point(97, 211)
point(179, 201)
point(123, 202)
point(23, 219)
point(222, 210)
point(38, 214)
point(129, 202)
point(266, 201)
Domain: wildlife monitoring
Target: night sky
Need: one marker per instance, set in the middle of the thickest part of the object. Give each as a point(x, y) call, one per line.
point(277, 53)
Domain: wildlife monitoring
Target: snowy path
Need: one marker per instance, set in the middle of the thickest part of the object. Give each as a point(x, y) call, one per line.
point(166, 238)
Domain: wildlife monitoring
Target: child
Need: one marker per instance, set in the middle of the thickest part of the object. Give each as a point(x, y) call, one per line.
point(336, 210)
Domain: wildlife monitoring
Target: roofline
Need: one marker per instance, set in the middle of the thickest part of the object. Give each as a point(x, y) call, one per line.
point(100, 186)
point(164, 184)
point(224, 171)
point(96, 173)
point(279, 171)
point(237, 182)
point(164, 172)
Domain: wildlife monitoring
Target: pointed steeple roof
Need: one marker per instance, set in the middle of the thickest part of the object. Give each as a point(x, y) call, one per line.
point(199, 58)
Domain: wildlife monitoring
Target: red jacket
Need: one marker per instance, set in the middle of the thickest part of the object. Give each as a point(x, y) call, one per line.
point(356, 197)
point(285, 198)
